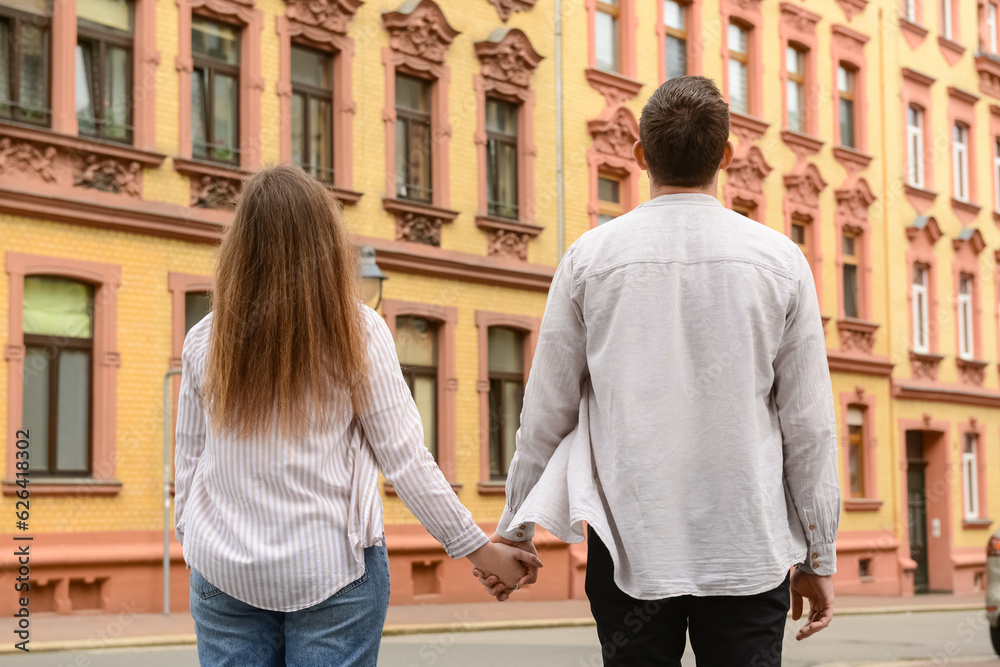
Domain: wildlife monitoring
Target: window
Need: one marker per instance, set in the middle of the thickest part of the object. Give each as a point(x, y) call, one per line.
point(996, 174)
point(795, 61)
point(739, 66)
point(607, 49)
point(609, 198)
point(991, 26)
point(845, 86)
point(501, 158)
point(312, 112)
point(960, 158)
point(413, 138)
point(675, 26)
point(506, 375)
point(58, 338)
point(915, 145)
point(417, 348)
point(196, 306)
point(849, 251)
point(855, 451)
point(104, 68)
point(215, 90)
point(25, 60)
point(970, 476)
point(947, 20)
point(800, 233)
point(966, 340)
point(921, 334)
point(910, 10)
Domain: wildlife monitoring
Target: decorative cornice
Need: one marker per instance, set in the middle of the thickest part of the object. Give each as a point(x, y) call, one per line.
point(799, 18)
point(920, 198)
point(803, 145)
point(945, 395)
point(914, 33)
point(615, 87)
point(971, 371)
point(852, 205)
point(615, 132)
point(417, 222)
point(854, 161)
point(506, 238)
point(747, 174)
point(848, 363)
point(747, 129)
point(916, 77)
point(852, 7)
point(971, 238)
point(927, 224)
point(213, 186)
point(420, 30)
point(507, 7)
point(924, 366)
point(857, 335)
point(804, 187)
point(849, 39)
point(429, 261)
point(962, 95)
point(951, 50)
point(508, 57)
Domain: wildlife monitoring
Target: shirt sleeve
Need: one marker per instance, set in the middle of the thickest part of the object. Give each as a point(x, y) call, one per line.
point(551, 398)
point(190, 435)
point(392, 427)
point(804, 399)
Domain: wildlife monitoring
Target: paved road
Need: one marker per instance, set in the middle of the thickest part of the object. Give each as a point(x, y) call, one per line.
point(940, 638)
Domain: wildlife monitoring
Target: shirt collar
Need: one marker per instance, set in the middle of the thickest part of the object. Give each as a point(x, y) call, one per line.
point(684, 198)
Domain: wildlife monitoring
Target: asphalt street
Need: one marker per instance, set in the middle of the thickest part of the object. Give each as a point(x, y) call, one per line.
point(949, 638)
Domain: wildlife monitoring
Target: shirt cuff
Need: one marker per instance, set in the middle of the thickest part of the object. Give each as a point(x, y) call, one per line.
point(465, 544)
point(820, 560)
point(520, 532)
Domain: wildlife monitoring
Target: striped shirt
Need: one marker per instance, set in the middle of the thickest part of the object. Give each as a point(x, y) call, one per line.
point(282, 523)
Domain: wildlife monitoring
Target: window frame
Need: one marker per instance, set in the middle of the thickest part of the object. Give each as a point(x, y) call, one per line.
point(59, 343)
point(850, 96)
point(411, 372)
point(948, 24)
point(965, 316)
point(502, 377)
point(409, 118)
point(513, 140)
point(16, 17)
point(915, 154)
point(744, 58)
point(996, 173)
point(921, 303)
point(681, 35)
point(992, 26)
point(800, 80)
point(606, 207)
point(868, 500)
point(856, 443)
point(854, 259)
point(484, 321)
point(970, 477)
point(213, 66)
point(105, 38)
point(310, 92)
point(961, 172)
point(106, 280)
point(615, 12)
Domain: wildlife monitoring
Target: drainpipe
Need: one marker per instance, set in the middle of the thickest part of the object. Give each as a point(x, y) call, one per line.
point(560, 170)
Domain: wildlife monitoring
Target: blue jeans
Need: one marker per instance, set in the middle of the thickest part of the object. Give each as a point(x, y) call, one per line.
point(345, 630)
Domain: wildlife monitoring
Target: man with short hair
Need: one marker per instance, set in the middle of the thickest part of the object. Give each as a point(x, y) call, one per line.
point(680, 403)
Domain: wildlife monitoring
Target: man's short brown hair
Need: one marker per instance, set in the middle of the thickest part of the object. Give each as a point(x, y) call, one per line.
point(684, 129)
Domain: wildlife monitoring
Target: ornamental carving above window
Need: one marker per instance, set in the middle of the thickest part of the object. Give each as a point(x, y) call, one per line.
point(803, 190)
point(420, 31)
point(508, 57)
point(330, 15)
point(507, 7)
point(616, 134)
point(747, 174)
point(852, 206)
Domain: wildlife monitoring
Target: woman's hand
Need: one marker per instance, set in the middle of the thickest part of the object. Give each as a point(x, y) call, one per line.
point(508, 564)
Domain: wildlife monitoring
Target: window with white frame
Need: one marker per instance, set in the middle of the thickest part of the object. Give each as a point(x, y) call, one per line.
point(947, 25)
point(739, 68)
point(910, 10)
point(856, 451)
point(915, 145)
point(991, 26)
point(607, 36)
point(966, 341)
point(996, 174)
point(970, 479)
point(921, 337)
point(795, 95)
point(676, 38)
point(960, 158)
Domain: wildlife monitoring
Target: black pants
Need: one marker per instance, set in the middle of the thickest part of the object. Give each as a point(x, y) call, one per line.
point(726, 631)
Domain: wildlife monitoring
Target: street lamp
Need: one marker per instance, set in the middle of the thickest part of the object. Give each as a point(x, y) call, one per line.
point(371, 276)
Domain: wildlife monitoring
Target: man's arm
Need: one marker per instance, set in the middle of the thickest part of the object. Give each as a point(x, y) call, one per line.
point(804, 400)
point(551, 398)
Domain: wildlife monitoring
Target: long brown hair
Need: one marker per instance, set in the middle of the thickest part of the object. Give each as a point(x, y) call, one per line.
point(287, 336)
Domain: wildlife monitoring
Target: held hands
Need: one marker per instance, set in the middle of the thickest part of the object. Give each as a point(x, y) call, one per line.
point(509, 567)
point(497, 587)
point(819, 591)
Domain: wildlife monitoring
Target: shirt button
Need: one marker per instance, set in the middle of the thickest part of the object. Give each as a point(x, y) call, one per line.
point(520, 534)
point(812, 527)
point(816, 566)
point(815, 555)
point(523, 526)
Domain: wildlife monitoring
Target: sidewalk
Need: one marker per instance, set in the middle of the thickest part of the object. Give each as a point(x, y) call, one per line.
point(135, 627)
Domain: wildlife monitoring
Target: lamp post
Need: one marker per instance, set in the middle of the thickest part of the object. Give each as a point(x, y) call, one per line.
point(371, 276)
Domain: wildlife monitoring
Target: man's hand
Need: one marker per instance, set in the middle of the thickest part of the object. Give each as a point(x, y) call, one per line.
point(819, 591)
point(492, 583)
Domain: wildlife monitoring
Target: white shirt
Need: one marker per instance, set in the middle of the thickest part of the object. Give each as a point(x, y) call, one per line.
point(281, 524)
point(680, 403)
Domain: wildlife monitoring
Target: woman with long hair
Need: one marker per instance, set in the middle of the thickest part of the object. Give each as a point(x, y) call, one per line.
point(291, 401)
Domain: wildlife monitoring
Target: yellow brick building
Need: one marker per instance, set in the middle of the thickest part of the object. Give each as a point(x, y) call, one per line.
point(437, 123)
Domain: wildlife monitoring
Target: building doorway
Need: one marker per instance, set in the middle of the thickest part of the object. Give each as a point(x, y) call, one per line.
point(916, 493)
